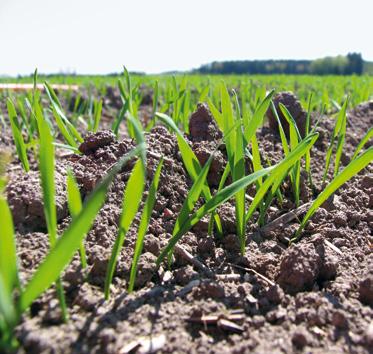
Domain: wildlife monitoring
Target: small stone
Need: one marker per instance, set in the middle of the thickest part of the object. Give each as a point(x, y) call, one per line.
point(276, 316)
point(93, 142)
point(300, 338)
point(367, 181)
point(231, 243)
point(275, 294)
point(184, 274)
point(368, 335)
point(339, 320)
point(366, 290)
point(167, 214)
point(210, 289)
point(146, 269)
point(53, 314)
point(206, 245)
point(151, 244)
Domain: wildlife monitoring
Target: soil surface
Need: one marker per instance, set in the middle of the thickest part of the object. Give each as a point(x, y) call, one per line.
point(315, 296)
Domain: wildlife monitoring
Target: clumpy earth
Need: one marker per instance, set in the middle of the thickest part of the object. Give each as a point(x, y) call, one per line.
point(315, 296)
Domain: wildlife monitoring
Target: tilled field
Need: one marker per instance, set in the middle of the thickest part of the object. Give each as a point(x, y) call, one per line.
point(314, 296)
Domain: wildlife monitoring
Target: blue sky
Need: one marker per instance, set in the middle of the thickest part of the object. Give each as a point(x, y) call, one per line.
point(91, 36)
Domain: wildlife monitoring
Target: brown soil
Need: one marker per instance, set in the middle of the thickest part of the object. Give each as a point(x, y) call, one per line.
point(313, 297)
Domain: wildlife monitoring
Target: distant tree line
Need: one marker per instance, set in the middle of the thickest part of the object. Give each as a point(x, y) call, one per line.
point(352, 63)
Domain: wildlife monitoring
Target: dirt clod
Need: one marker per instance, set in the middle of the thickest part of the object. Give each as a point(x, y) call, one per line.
point(291, 102)
point(300, 338)
point(366, 290)
point(93, 142)
point(202, 125)
point(299, 268)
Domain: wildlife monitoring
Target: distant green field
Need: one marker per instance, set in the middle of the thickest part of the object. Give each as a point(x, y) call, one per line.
point(325, 89)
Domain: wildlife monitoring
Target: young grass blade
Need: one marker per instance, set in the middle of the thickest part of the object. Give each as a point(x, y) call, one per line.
point(363, 141)
point(353, 168)
point(74, 202)
point(284, 141)
point(252, 125)
point(238, 173)
point(63, 129)
point(294, 139)
point(17, 135)
point(46, 167)
point(119, 118)
point(279, 171)
point(145, 219)
point(193, 196)
point(228, 122)
point(130, 205)
point(8, 313)
point(341, 139)
point(216, 114)
point(67, 147)
point(308, 155)
point(8, 258)
point(138, 135)
point(204, 93)
point(337, 128)
point(191, 162)
point(63, 251)
point(69, 129)
point(218, 199)
point(8, 273)
point(150, 125)
point(97, 115)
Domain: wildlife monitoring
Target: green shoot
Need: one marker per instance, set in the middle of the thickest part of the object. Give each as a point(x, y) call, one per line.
point(279, 171)
point(130, 205)
point(17, 135)
point(218, 199)
point(338, 132)
point(46, 167)
point(191, 162)
point(66, 246)
point(307, 130)
point(67, 129)
point(352, 169)
point(145, 219)
point(97, 115)
point(74, 202)
point(294, 140)
point(363, 141)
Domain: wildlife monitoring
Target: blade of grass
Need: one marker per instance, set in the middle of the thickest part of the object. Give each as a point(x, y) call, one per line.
point(97, 115)
point(46, 167)
point(280, 170)
point(8, 258)
point(307, 130)
point(74, 202)
point(353, 168)
point(363, 141)
point(294, 140)
point(17, 135)
point(62, 119)
point(145, 219)
point(63, 251)
point(341, 139)
point(191, 162)
point(336, 131)
point(218, 199)
point(130, 205)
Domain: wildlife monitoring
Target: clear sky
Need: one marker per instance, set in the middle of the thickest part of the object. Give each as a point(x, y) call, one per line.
point(99, 36)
